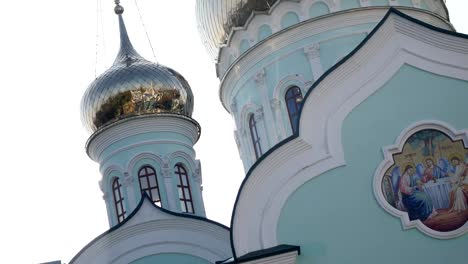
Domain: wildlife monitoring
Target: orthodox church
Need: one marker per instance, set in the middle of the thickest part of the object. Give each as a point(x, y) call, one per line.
point(350, 122)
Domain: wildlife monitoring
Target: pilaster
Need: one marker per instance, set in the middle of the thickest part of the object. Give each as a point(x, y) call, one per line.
point(127, 184)
point(313, 55)
point(275, 104)
point(169, 184)
point(271, 136)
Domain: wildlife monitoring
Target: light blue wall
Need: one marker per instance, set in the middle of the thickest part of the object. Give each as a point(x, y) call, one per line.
point(289, 19)
point(335, 217)
point(291, 61)
point(378, 2)
point(347, 4)
point(318, 9)
point(171, 258)
point(126, 154)
point(244, 46)
point(331, 51)
point(295, 63)
point(263, 32)
point(405, 2)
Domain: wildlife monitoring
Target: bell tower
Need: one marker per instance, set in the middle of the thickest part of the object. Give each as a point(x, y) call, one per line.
point(139, 114)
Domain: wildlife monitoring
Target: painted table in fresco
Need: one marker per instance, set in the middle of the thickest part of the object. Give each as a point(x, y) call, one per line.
point(439, 192)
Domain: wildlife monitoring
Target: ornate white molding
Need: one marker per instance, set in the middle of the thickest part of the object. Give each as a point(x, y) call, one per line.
point(128, 180)
point(312, 51)
point(260, 78)
point(102, 139)
point(166, 168)
point(364, 3)
point(259, 114)
point(152, 231)
point(388, 161)
point(245, 64)
point(133, 161)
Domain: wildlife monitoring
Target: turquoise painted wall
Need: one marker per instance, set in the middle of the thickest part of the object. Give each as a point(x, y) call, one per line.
point(347, 4)
point(378, 2)
point(405, 2)
point(331, 51)
point(171, 258)
point(318, 9)
point(289, 19)
point(159, 149)
point(335, 217)
point(263, 32)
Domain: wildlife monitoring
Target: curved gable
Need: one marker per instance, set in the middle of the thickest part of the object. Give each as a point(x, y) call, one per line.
point(397, 41)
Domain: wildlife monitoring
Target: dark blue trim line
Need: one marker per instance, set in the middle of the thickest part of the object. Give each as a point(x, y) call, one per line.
point(315, 84)
point(263, 253)
point(143, 197)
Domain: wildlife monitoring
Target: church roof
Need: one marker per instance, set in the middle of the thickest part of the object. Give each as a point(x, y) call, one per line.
point(146, 211)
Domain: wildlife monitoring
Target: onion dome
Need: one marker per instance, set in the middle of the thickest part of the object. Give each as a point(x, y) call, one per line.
point(216, 19)
point(134, 86)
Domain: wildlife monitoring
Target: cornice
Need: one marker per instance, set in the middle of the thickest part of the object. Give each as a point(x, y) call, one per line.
point(125, 128)
point(347, 18)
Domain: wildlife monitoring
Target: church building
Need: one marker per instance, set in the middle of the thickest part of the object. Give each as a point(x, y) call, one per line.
point(350, 122)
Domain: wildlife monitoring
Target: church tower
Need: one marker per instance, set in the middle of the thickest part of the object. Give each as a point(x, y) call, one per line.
point(269, 53)
point(139, 113)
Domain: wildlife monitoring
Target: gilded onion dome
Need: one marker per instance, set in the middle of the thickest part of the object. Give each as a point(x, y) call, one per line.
point(134, 86)
point(216, 19)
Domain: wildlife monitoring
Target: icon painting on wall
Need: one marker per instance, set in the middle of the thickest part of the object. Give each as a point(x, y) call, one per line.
point(429, 180)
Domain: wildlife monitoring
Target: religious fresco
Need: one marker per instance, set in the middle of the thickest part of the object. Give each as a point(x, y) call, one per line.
point(429, 180)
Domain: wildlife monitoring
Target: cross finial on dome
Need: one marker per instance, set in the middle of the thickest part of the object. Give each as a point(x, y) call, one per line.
point(126, 53)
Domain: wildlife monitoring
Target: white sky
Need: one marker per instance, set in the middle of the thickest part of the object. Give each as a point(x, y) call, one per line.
point(50, 202)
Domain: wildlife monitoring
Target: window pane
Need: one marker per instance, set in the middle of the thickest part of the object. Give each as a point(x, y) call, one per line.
point(184, 180)
point(182, 206)
point(187, 194)
point(155, 195)
point(143, 183)
point(180, 193)
point(190, 208)
point(152, 180)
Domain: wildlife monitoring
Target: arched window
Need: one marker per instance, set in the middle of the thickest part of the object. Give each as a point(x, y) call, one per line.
point(255, 136)
point(185, 194)
point(149, 183)
point(293, 99)
point(118, 200)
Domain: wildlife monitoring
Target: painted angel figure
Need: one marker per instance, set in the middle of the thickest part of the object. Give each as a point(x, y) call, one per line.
point(459, 192)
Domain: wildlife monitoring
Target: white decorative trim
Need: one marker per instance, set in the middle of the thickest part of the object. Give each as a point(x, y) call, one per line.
point(244, 65)
point(135, 159)
point(101, 140)
point(285, 258)
point(319, 147)
point(128, 180)
point(152, 231)
point(388, 162)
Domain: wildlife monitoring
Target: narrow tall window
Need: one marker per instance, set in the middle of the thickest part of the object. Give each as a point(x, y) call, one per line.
point(255, 136)
point(185, 194)
point(293, 99)
point(118, 200)
point(149, 183)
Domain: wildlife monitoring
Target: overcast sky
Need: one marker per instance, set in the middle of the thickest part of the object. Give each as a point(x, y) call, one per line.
point(51, 205)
